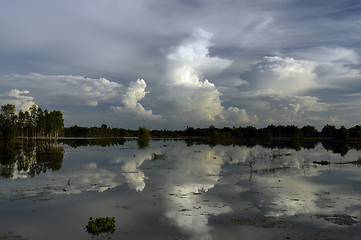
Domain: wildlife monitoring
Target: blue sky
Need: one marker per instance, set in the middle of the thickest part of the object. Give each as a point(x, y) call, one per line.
point(172, 64)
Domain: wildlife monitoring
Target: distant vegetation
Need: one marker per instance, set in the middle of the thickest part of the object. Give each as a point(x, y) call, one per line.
point(248, 133)
point(38, 123)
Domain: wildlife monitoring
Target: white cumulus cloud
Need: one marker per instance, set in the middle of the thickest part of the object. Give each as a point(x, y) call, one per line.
point(193, 98)
point(20, 98)
point(293, 76)
point(65, 89)
point(285, 75)
point(275, 108)
point(135, 93)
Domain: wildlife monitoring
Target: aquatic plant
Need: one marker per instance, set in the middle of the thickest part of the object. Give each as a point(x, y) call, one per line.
point(323, 162)
point(156, 156)
point(99, 225)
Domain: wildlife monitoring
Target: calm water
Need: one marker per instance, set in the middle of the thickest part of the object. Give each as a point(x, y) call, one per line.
point(173, 190)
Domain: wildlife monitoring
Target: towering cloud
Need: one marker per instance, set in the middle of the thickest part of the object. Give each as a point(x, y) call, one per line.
point(194, 98)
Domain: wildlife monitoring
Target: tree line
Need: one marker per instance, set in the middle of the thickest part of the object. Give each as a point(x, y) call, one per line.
point(269, 132)
point(38, 123)
point(248, 133)
point(32, 123)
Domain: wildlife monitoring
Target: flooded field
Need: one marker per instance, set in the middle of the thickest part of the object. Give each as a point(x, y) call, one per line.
point(170, 189)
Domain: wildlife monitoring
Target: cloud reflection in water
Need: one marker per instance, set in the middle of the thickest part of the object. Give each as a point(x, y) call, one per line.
point(194, 186)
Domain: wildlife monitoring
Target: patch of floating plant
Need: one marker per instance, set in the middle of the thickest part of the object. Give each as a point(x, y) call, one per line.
point(337, 234)
point(324, 162)
point(185, 210)
point(156, 156)
point(45, 199)
point(260, 222)
point(34, 194)
point(10, 236)
point(100, 225)
point(338, 219)
point(324, 200)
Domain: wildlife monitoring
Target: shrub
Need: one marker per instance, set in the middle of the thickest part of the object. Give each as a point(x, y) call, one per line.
point(99, 225)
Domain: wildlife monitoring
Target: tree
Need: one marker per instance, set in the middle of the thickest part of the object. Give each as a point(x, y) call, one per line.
point(8, 111)
point(40, 121)
point(7, 121)
point(342, 133)
point(329, 131)
point(143, 137)
point(309, 131)
point(21, 122)
point(143, 133)
point(355, 132)
point(54, 123)
point(29, 124)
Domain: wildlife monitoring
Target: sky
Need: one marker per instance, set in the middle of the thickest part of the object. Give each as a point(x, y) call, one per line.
point(169, 64)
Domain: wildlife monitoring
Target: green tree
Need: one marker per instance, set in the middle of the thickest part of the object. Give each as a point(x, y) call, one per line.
point(8, 121)
point(54, 123)
point(40, 122)
point(309, 131)
point(8, 111)
point(342, 133)
point(143, 137)
point(21, 123)
point(143, 133)
point(329, 131)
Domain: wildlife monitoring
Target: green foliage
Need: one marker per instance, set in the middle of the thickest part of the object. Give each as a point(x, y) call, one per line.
point(8, 112)
point(329, 131)
point(7, 121)
point(34, 122)
point(99, 225)
point(103, 131)
point(143, 138)
point(143, 133)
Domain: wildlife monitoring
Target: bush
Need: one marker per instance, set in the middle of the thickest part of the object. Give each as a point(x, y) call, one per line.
point(99, 225)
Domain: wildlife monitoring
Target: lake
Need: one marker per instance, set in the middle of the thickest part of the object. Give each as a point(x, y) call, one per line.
point(175, 189)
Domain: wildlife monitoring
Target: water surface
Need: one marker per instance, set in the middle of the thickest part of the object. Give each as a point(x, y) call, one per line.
point(177, 190)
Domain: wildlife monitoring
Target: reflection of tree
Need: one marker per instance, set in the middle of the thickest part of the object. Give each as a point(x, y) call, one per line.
point(221, 139)
point(8, 155)
point(31, 157)
point(296, 143)
point(143, 138)
point(104, 142)
point(340, 147)
point(47, 157)
point(143, 143)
